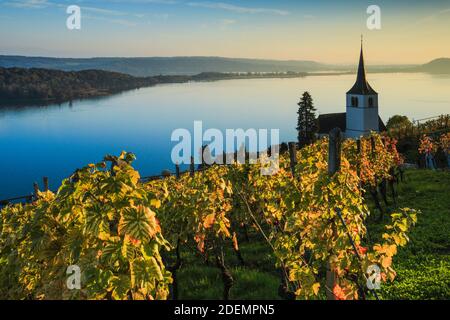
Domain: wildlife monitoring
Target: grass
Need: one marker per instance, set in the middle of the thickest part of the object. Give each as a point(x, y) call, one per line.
point(258, 279)
point(423, 266)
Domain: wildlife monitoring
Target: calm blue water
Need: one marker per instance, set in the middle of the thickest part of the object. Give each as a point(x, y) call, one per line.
point(53, 141)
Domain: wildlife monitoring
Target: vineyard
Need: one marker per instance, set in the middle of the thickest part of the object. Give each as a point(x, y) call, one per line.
point(130, 238)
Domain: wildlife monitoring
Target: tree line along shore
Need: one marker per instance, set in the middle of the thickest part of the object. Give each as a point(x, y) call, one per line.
point(36, 86)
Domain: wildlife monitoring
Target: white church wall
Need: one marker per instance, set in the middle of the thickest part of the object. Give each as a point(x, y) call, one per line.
point(361, 120)
point(363, 100)
point(355, 119)
point(371, 120)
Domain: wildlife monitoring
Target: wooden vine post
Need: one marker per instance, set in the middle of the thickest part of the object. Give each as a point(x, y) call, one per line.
point(292, 156)
point(45, 180)
point(334, 151)
point(192, 167)
point(36, 190)
point(177, 265)
point(334, 165)
point(358, 154)
point(177, 171)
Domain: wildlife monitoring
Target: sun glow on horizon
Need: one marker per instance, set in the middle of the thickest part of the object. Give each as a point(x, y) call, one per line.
point(412, 32)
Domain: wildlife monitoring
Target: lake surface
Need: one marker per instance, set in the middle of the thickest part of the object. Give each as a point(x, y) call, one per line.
point(55, 140)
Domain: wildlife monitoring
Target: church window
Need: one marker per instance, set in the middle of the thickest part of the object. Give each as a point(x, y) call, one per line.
point(355, 102)
point(370, 102)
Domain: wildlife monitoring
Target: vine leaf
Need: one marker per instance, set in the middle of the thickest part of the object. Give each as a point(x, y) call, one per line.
point(139, 223)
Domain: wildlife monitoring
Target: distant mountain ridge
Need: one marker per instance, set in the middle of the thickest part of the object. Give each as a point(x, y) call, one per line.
point(437, 66)
point(189, 66)
point(145, 67)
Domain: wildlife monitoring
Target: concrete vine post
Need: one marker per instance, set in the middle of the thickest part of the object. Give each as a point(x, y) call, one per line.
point(334, 165)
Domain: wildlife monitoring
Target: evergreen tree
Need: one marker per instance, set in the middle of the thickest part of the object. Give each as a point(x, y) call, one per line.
point(307, 122)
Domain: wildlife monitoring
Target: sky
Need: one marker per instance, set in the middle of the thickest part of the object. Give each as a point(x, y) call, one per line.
point(326, 31)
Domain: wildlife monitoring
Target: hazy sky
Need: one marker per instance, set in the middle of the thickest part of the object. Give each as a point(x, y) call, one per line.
point(322, 30)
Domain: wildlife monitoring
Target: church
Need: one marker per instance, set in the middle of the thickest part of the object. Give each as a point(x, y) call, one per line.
point(361, 116)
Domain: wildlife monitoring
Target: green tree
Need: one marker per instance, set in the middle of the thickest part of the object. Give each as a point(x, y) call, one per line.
point(307, 122)
point(398, 121)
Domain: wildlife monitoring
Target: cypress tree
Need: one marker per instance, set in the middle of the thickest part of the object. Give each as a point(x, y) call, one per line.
point(307, 122)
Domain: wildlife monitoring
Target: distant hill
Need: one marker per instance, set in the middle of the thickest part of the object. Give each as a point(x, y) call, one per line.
point(24, 86)
point(437, 66)
point(37, 86)
point(145, 67)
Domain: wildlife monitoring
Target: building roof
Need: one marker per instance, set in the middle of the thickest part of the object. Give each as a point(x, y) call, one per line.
point(328, 122)
point(361, 85)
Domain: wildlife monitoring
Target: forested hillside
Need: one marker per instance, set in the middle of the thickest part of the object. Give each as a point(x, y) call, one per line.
point(40, 85)
point(20, 86)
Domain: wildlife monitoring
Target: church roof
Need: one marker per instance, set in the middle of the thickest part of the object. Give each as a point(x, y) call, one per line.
point(329, 121)
point(361, 85)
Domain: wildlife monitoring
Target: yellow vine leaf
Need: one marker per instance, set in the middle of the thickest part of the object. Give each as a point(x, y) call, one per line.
point(208, 222)
point(315, 288)
point(235, 242)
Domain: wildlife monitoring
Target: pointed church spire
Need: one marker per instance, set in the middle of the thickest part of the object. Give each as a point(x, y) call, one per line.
point(361, 86)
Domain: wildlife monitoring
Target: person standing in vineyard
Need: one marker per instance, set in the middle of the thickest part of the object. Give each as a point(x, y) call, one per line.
point(427, 148)
point(445, 145)
point(307, 121)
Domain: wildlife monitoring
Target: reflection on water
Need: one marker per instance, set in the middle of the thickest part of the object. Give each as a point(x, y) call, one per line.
point(55, 140)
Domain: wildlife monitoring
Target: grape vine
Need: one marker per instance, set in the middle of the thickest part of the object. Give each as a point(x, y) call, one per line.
point(111, 225)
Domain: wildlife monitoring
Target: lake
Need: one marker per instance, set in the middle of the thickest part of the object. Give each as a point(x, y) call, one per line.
point(55, 140)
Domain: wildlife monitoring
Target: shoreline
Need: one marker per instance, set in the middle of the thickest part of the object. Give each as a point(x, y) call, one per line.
point(178, 79)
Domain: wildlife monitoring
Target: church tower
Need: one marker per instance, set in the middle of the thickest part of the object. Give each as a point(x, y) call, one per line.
point(362, 105)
